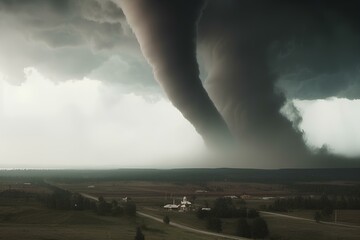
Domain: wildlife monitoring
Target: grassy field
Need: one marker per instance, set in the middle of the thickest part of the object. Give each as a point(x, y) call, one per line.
point(151, 196)
point(281, 228)
point(28, 219)
point(22, 186)
point(304, 230)
point(35, 222)
point(22, 218)
point(77, 229)
point(345, 216)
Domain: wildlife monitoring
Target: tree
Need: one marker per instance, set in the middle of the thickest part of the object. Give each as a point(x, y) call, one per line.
point(243, 228)
point(114, 203)
point(166, 219)
point(242, 202)
point(117, 211)
point(327, 208)
point(130, 208)
point(252, 213)
point(259, 228)
point(201, 214)
point(139, 235)
point(214, 223)
point(317, 216)
point(103, 207)
point(224, 208)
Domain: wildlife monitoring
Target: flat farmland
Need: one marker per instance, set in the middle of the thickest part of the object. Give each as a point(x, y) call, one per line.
point(21, 185)
point(39, 224)
point(343, 216)
point(303, 230)
point(20, 219)
point(151, 196)
point(148, 189)
point(280, 228)
point(28, 219)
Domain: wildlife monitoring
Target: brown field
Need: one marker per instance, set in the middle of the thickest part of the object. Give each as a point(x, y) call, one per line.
point(150, 189)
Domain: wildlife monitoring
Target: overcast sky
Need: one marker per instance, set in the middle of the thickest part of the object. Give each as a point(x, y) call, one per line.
point(76, 91)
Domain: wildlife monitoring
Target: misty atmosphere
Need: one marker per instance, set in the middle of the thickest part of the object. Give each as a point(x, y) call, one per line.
point(171, 119)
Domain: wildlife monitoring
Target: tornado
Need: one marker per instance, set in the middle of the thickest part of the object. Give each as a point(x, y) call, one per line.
point(166, 31)
point(234, 40)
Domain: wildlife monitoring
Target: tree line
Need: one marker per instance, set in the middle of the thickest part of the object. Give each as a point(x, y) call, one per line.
point(65, 200)
point(315, 203)
point(249, 224)
point(225, 208)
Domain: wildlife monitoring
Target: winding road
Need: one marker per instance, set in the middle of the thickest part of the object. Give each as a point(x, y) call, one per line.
point(186, 228)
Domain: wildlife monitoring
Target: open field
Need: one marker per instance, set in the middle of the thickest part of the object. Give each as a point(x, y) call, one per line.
point(28, 219)
point(304, 230)
point(77, 227)
point(22, 218)
point(22, 185)
point(286, 228)
point(343, 216)
point(167, 189)
point(157, 194)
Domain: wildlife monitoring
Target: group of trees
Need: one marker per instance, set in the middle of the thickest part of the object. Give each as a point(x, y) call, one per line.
point(257, 228)
point(329, 189)
point(225, 208)
point(61, 199)
point(166, 219)
point(13, 193)
point(323, 203)
point(139, 235)
point(65, 200)
point(115, 209)
point(250, 224)
point(214, 224)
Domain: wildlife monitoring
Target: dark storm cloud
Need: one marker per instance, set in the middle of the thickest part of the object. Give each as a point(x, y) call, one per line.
point(67, 39)
point(321, 65)
point(245, 50)
point(166, 31)
point(100, 24)
point(256, 54)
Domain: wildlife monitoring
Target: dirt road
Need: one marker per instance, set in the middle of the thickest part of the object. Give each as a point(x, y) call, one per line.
point(175, 224)
point(192, 229)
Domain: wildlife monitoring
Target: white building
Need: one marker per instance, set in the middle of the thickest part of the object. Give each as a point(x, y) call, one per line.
point(172, 206)
point(231, 197)
point(185, 205)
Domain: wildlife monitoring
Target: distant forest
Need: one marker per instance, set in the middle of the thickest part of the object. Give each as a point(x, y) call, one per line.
point(282, 176)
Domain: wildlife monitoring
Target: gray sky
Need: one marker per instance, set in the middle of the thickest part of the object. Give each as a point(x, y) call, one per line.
point(76, 91)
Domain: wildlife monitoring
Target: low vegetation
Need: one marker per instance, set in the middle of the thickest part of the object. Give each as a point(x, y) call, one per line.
point(39, 210)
